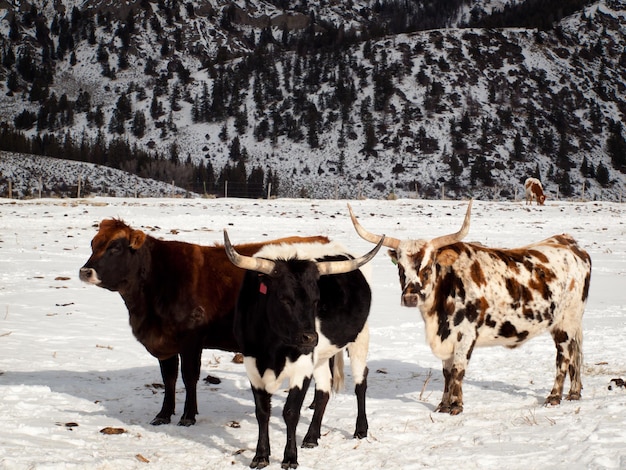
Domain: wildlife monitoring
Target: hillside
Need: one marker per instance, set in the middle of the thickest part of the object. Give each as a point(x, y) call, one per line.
point(38, 176)
point(329, 101)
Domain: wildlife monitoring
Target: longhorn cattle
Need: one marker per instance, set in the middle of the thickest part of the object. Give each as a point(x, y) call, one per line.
point(470, 295)
point(534, 190)
point(180, 299)
point(299, 306)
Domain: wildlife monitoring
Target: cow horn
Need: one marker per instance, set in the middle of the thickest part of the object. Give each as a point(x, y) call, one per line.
point(371, 237)
point(445, 240)
point(251, 263)
point(339, 267)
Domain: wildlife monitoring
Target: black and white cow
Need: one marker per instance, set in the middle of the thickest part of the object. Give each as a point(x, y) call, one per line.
point(299, 306)
point(470, 295)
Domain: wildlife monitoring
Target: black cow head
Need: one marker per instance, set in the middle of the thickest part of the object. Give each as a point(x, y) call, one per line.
point(287, 292)
point(115, 257)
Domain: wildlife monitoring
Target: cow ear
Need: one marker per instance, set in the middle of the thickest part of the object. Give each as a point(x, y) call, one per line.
point(447, 258)
point(137, 237)
point(393, 255)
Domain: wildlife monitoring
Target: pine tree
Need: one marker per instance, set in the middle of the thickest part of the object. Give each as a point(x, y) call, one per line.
point(138, 126)
point(616, 146)
point(602, 175)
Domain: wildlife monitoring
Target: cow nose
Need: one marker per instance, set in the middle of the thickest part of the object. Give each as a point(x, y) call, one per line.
point(87, 274)
point(409, 300)
point(410, 296)
point(309, 339)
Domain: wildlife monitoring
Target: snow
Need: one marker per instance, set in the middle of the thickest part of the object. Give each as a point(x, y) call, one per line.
point(70, 367)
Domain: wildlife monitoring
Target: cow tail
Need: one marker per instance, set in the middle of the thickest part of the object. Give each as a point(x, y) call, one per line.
point(338, 372)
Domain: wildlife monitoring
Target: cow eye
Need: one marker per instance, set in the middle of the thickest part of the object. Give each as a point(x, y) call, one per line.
point(115, 248)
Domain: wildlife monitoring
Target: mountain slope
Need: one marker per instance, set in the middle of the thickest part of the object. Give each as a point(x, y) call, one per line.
point(334, 110)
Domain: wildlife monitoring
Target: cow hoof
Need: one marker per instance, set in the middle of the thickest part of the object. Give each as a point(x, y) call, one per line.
point(289, 464)
point(260, 462)
point(309, 443)
point(187, 422)
point(573, 396)
point(159, 421)
point(360, 434)
point(552, 400)
point(455, 410)
point(443, 408)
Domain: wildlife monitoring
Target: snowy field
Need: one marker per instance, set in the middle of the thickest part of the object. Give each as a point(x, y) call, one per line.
point(70, 367)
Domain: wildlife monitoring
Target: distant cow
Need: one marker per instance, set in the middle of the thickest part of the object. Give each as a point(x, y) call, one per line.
point(180, 298)
point(470, 295)
point(299, 306)
point(534, 190)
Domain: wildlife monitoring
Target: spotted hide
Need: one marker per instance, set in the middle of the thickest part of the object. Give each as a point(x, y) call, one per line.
point(470, 295)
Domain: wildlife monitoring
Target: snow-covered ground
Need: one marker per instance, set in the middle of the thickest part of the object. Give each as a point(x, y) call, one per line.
point(70, 367)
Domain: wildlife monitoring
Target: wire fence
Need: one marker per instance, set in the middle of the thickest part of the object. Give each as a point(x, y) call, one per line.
point(39, 189)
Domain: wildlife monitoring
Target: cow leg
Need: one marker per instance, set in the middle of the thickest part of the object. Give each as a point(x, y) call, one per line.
point(291, 415)
point(322, 375)
point(358, 363)
point(444, 405)
point(452, 400)
point(262, 410)
point(576, 364)
point(190, 368)
point(453, 373)
point(360, 431)
point(169, 374)
point(330, 366)
point(568, 359)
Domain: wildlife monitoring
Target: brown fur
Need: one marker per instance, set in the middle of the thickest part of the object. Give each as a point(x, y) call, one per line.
point(180, 297)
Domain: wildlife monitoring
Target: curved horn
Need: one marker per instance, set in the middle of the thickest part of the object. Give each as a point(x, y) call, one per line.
point(371, 237)
point(260, 265)
point(445, 240)
point(339, 267)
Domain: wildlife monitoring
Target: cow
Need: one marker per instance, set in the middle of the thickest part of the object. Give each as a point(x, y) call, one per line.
point(470, 295)
point(180, 299)
point(300, 306)
point(534, 190)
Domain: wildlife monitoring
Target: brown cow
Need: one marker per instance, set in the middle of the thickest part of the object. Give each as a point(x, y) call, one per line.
point(534, 190)
point(180, 299)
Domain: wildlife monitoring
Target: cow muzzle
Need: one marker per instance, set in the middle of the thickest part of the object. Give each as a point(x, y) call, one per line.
point(308, 341)
point(409, 300)
point(89, 275)
point(410, 296)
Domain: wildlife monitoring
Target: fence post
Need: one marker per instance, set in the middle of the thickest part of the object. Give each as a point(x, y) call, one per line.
point(78, 190)
point(40, 187)
point(269, 190)
point(225, 188)
point(10, 189)
point(443, 192)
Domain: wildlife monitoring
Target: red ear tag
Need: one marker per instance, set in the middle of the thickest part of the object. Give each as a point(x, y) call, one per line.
point(263, 288)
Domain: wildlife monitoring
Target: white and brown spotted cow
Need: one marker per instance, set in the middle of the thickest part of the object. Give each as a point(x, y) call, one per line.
point(534, 190)
point(470, 295)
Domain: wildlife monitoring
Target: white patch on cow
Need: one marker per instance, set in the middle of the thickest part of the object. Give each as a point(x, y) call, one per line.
point(321, 355)
point(296, 372)
point(300, 250)
point(358, 354)
point(311, 251)
point(405, 251)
